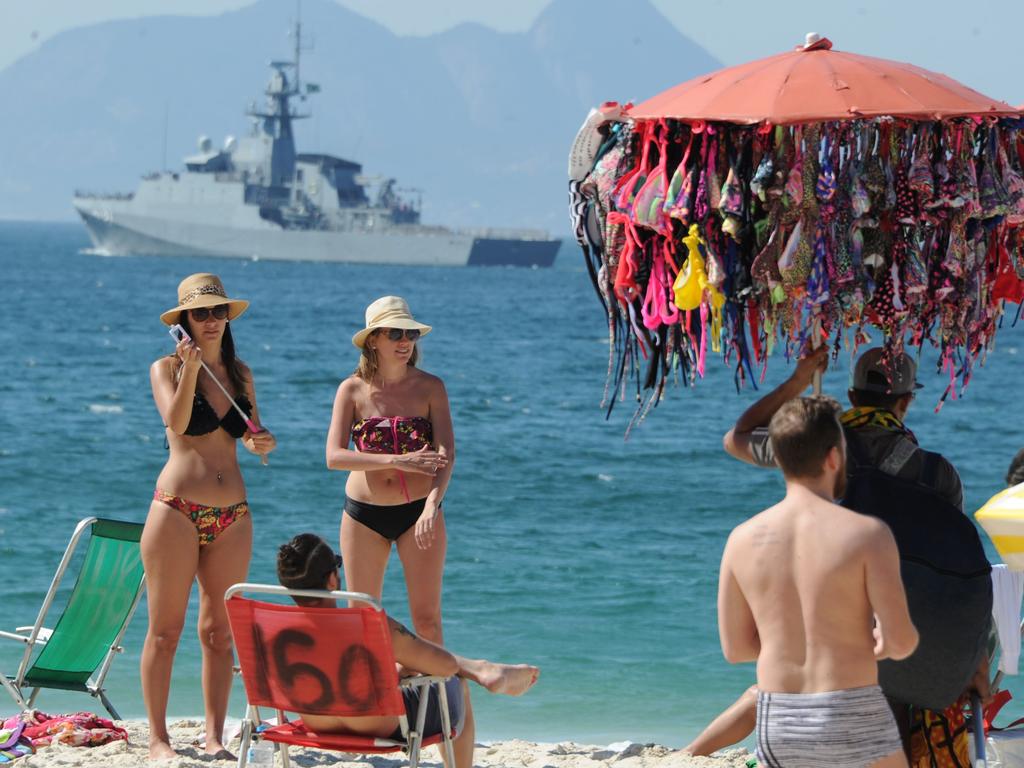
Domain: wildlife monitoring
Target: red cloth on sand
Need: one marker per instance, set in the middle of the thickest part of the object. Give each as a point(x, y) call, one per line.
point(80, 729)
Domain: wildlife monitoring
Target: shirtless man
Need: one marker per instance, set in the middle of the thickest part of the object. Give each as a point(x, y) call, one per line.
point(308, 562)
point(800, 587)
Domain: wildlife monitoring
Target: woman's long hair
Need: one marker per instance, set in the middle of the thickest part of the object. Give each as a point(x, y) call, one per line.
point(367, 368)
point(227, 354)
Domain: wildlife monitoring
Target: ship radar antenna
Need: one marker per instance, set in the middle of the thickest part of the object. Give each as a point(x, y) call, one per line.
point(299, 49)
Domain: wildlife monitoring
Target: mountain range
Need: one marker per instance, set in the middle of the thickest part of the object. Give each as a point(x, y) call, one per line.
point(480, 121)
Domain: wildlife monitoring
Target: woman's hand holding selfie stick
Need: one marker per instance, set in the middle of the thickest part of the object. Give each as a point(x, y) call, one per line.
point(179, 335)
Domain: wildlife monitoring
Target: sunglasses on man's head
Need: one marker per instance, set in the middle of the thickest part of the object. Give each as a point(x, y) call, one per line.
point(202, 313)
point(336, 566)
point(395, 334)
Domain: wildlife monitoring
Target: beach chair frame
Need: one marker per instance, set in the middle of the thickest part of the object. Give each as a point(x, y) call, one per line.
point(37, 636)
point(413, 742)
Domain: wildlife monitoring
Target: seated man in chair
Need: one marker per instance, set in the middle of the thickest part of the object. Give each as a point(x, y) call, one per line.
point(308, 562)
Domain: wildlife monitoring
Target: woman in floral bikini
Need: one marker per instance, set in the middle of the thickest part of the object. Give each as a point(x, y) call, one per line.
point(398, 420)
point(198, 524)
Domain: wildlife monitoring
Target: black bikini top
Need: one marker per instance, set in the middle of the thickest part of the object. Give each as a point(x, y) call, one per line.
point(204, 419)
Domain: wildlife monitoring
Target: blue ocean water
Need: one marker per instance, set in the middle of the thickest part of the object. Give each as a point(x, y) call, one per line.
point(593, 557)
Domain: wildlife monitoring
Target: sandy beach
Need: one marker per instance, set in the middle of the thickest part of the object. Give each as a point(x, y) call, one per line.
point(185, 735)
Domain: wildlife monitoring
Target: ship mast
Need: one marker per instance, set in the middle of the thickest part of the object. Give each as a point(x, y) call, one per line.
point(298, 46)
point(277, 115)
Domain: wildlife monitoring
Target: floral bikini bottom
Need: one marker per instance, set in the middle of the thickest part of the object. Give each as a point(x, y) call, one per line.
point(210, 522)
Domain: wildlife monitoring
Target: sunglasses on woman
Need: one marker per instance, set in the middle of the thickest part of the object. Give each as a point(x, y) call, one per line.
point(202, 313)
point(395, 334)
point(336, 567)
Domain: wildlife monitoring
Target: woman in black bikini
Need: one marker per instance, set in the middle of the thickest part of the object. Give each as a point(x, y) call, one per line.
point(198, 524)
point(398, 419)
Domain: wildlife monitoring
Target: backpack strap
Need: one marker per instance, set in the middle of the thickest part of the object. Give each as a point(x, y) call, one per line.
point(894, 460)
point(897, 458)
point(930, 471)
point(855, 448)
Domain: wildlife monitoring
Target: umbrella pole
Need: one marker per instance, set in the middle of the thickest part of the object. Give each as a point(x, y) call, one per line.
point(815, 343)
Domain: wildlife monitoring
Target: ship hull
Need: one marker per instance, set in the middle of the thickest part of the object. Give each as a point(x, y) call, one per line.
point(120, 232)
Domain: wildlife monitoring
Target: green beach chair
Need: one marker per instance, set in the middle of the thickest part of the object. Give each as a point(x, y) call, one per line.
point(77, 653)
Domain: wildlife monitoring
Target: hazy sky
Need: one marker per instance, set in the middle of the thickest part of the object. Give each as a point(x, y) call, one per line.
point(975, 42)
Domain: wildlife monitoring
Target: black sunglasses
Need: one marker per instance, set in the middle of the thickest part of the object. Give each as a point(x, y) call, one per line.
point(395, 334)
point(219, 313)
point(335, 567)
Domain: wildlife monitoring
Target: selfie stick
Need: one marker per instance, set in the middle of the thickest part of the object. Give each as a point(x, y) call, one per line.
point(248, 422)
point(178, 334)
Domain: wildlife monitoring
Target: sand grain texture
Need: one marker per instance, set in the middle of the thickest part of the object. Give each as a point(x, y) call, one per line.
point(504, 754)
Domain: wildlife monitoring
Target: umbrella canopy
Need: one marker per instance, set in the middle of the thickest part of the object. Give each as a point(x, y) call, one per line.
point(814, 83)
point(1002, 517)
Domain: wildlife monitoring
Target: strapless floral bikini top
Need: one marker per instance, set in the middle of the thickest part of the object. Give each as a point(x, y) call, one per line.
point(392, 434)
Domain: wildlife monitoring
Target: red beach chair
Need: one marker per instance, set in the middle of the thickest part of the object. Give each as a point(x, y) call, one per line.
point(324, 661)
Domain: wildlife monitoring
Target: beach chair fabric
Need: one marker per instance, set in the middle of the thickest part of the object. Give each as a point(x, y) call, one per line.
point(324, 661)
point(77, 653)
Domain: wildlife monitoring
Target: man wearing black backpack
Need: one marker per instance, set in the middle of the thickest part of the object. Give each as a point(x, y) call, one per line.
point(879, 407)
point(919, 494)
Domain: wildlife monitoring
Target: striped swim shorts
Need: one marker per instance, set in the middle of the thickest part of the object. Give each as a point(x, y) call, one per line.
point(852, 728)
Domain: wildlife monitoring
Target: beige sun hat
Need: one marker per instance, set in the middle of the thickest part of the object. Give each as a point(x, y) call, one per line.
point(388, 312)
point(202, 290)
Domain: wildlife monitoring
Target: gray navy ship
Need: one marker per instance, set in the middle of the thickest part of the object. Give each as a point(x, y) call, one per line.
point(258, 198)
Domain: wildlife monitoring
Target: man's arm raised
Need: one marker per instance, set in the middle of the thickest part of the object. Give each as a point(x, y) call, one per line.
point(895, 634)
point(736, 627)
point(738, 440)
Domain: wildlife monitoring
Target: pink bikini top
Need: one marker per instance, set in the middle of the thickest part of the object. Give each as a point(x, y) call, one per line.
point(394, 435)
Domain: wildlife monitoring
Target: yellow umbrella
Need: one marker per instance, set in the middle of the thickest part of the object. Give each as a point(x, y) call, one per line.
point(1002, 517)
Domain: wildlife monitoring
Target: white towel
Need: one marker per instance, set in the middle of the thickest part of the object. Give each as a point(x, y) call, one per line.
point(1007, 592)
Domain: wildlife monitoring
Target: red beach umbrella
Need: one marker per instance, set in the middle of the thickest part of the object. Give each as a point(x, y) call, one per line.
point(814, 83)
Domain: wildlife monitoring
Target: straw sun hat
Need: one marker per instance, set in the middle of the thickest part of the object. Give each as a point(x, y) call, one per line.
point(202, 290)
point(388, 312)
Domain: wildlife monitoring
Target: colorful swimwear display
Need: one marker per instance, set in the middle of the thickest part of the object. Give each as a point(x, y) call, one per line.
point(210, 522)
point(817, 231)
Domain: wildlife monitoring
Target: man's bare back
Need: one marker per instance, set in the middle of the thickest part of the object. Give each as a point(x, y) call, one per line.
point(812, 592)
point(812, 576)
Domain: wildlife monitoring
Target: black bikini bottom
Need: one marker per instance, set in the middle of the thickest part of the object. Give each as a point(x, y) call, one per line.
point(390, 521)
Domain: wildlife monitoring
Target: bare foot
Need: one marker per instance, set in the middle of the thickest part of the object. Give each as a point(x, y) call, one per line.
point(510, 679)
point(161, 750)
